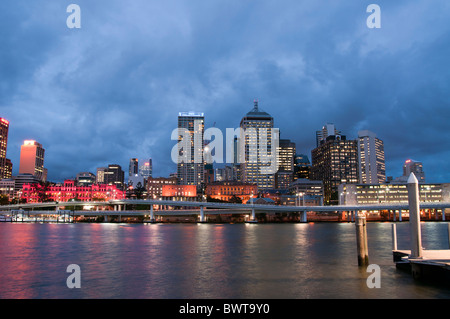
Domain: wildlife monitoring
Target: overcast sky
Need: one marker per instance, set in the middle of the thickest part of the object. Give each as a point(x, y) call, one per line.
point(112, 89)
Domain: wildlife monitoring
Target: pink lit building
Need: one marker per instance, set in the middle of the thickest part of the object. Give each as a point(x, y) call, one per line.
point(34, 193)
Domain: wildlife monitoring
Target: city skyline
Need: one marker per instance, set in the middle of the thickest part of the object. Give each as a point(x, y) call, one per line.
point(91, 100)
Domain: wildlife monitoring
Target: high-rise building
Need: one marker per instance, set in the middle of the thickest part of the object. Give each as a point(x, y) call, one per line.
point(302, 166)
point(371, 160)
point(133, 167)
point(4, 166)
point(286, 153)
point(190, 163)
point(259, 163)
point(412, 166)
point(7, 172)
point(146, 169)
point(334, 162)
point(327, 130)
point(100, 175)
point(114, 175)
point(285, 158)
point(32, 159)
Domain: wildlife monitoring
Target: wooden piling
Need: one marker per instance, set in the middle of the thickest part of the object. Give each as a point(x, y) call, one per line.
point(361, 239)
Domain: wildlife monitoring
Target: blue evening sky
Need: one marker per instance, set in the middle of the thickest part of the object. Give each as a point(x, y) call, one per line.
point(112, 90)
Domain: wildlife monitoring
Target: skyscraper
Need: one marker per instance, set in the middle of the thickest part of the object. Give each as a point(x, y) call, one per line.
point(32, 159)
point(259, 155)
point(133, 167)
point(4, 165)
point(334, 161)
point(372, 168)
point(190, 162)
point(285, 158)
point(302, 166)
point(412, 166)
point(327, 130)
point(114, 175)
point(145, 170)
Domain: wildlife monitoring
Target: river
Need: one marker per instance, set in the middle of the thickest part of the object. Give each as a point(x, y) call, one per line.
point(206, 261)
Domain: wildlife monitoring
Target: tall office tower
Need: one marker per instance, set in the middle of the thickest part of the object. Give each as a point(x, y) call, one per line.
point(146, 169)
point(372, 169)
point(32, 159)
point(100, 179)
point(334, 162)
point(285, 158)
point(4, 129)
point(302, 166)
point(286, 153)
point(133, 167)
point(327, 130)
point(114, 175)
point(412, 166)
point(8, 169)
point(259, 163)
point(190, 163)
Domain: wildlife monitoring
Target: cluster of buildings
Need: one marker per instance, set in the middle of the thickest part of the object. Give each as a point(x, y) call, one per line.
point(341, 171)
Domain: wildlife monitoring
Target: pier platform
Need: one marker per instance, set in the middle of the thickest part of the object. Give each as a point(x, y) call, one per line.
point(434, 265)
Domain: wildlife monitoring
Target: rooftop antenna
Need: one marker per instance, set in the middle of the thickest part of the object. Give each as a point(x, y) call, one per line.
point(255, 102)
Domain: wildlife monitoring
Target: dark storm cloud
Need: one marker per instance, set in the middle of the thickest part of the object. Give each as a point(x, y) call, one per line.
point(112, 89)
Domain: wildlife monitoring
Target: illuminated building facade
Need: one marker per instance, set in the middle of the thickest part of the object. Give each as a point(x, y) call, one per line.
point(190, 163)
point(179, 192)
point(226, 190)
point(335, 162)
point(368, 194)
point(155, 185)
point(255, 164)
point(32, 159)
point(371, 159)
point(302, 166)
point(70, 190)
point(5, 164)
point(415, 167)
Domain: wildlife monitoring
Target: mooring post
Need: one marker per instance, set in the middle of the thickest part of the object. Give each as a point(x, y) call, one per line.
point(394, 237)
point(414, 216)
point(361, 239)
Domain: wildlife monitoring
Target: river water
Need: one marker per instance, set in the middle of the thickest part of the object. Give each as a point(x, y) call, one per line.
point(205, 261)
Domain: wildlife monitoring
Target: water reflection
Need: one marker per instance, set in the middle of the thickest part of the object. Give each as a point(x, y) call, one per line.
point(314, 260)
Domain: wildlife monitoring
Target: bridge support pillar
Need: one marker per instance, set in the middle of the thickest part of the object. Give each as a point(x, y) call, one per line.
point(400, 215)
point(105, 219)
point(395, 215)
point(152, 214)
point(202, 214)
point(303, 216)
